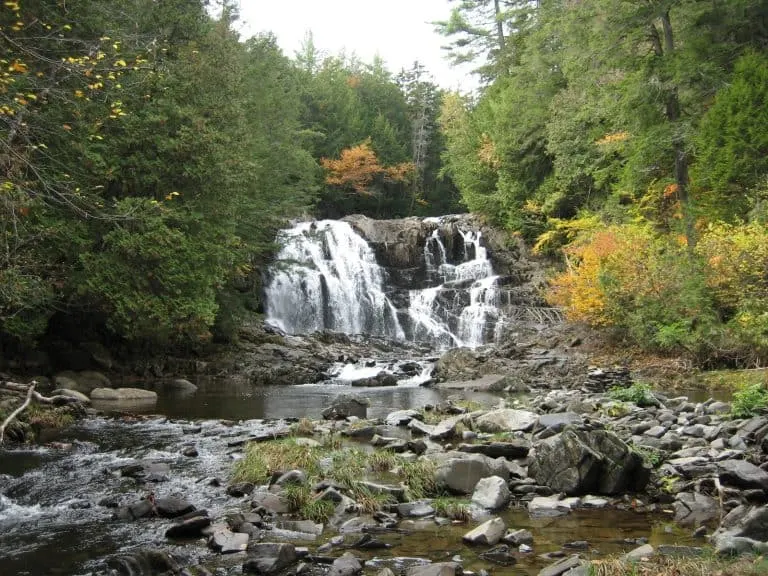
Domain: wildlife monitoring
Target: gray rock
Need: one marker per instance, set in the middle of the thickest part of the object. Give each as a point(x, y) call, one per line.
point(742, 474)
point(240, 489)
point(291, 477)
point(346, 565)
point(549, 506)
point(396, 492)
point(305, 526)
point(459, 473)
point(173, 507)
point(446, 428)
point(120, 394)
point(87, 380)
point(506, 420)
point(436, 569)
point(271, 502)
point(144, 562)
point(491, 493)
point(693, 508)
point(593, 502)
point(402, 417)
point(189, 528)
point(180, 385)
point(417, 509)
point(559, 420)
point(580, 462)
point(644, 551)
point(227, 542)
point(269, 558)
point(69, 393)
point(489, 533)
point(518, 537)
point(511, 449)
point(346, 405)
point(561, 566)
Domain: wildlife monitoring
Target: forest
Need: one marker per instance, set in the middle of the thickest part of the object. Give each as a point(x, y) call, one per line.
point(150, 153)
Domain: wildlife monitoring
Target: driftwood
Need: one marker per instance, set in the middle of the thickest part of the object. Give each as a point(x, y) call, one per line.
point(19, 410)
point(31, 394)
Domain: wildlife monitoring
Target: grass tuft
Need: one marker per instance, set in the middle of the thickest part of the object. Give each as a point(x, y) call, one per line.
point(453, 508)
point(303, 427)
point(640, 394)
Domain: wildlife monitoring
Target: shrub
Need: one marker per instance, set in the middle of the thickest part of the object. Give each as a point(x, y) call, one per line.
point(749, 401)
point(640, 394)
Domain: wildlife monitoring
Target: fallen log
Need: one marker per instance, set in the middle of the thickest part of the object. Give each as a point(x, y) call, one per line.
point(19, 410)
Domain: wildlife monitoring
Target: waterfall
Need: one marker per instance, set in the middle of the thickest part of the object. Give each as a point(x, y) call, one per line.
point(326, 277)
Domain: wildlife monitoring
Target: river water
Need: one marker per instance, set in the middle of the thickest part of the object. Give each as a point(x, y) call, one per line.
point(55, 519)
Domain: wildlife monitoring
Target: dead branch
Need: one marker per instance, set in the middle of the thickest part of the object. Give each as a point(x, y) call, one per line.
point(57, 400)
point(19, 410)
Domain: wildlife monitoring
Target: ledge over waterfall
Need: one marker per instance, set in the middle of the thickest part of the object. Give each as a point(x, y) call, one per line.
point(445, 282)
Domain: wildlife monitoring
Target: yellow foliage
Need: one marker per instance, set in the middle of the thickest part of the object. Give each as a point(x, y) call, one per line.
point(613, 138)
point(358, 167)
point(487, 152)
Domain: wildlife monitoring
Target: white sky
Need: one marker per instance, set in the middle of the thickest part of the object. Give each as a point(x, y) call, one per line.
point(398, 30)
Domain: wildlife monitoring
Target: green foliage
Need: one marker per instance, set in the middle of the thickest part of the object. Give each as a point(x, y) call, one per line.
point(652, 457)
point(453, 508)
point(419, 476)
point(639, 393)
point(749, 401)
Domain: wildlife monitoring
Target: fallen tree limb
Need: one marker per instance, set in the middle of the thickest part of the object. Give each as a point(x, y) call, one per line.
point(19, 410)
point(57, 400)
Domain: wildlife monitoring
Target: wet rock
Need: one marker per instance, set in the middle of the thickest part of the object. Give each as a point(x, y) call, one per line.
point(240, 489)
point(141, 509)
point(693, 508)
point(88, 380)
point(446, 429)
point(305, 526)
point(381, 379)
point(269, 558)
point(580, 462)
point(743, 474)
point(436, 569)
point(561, 566)
point(180, 385)
point(741, 529)
point(226, 542)
point(346, 405)
point(500, 554)
point(511, 449)
point(489, 533)
point(518, 537)
point(491, 493)
point(417, 427)
point(506, 420)
point(593, 502)
point(189, 452)
point(69, 393)
point(189, 528)
point(173, 507)
point(123, 394)
point(417, 509)
point(346, 565)
point(196, 429)
point(144, 563)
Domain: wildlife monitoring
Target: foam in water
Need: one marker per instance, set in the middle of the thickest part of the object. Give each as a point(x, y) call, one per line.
point(327, 278)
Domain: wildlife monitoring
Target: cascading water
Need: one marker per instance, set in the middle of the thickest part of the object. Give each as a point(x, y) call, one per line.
point(327, 277)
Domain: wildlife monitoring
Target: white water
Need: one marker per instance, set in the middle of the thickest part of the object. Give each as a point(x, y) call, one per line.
point(327, 277)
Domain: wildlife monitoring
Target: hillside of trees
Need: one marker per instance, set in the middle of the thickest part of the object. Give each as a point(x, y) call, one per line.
point(629, 140)
point(149, 155)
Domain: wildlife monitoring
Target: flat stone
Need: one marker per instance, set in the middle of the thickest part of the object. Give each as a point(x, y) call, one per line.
point(518, 537)
point(489, 533)
point(269, 558)
point(117, 394)
point(173, 507)
point(561, 566)
point(189, 528)
point(306, 526)
point(511, 449)
point(417, 509)
point(402, 417)
point(227, 542)
point(436, 569)
point(506, 420)
point(559, 420)
point(693, 508)
point(743, 474)
point(644, 551)
point(548, 506)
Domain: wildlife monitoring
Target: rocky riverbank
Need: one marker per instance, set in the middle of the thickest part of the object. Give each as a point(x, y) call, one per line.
point(343, 495)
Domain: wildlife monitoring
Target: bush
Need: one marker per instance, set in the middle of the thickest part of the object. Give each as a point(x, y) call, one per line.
point(749, 401)
point(640, 394)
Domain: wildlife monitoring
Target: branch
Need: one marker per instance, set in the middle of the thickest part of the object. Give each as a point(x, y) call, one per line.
point(18, 411)
point(58, 400)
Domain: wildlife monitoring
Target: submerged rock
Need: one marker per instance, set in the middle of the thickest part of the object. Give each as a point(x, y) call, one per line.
point(118, 394)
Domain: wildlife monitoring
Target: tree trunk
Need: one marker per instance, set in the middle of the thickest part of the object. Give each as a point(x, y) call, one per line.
point(499, 24)
point(681, 158)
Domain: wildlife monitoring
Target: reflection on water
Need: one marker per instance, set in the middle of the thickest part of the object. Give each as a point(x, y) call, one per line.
point(218, 398)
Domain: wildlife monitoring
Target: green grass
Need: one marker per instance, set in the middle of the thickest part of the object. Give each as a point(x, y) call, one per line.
point(639, 393)
point(265, 458)
point(705, 565)
point(651, 456)
point(304, 427)
point(453, 508)
point(419, 476)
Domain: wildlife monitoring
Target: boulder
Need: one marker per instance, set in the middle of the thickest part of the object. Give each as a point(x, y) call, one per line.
point(510, 449)
point(226, 542)
point(436, 569)
point(506, 420)
point(180, 385)
point(173, 507)
point(550, 506)
point(459, 473)
point(402, 417)
point(346, 405)
point(491, 493)
point(742, 474)
point(88, 380)
point(121, 394)
point(579, 462)
point(346, 565)
point(189, 528)
point(694, 508)
point(381, 379)
point(489, 533)
point(269, 558)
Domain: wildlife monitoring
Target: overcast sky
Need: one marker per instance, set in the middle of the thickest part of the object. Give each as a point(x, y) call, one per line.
point(398, 30)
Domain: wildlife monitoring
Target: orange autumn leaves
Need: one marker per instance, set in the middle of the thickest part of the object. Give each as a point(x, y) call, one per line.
point(358, 168)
